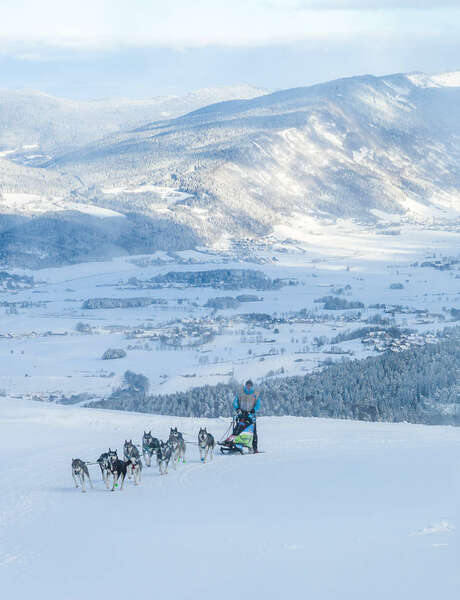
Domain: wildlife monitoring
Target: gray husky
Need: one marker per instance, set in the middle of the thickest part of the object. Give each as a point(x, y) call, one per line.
point(177, 443)
point(150, 446)
point(163, 457)
point(103, 462)
point(79, 472)
point(117, 469)
point(130, 450)
point(206, 444)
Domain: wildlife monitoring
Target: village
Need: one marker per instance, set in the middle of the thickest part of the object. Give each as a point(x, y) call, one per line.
point(191, 322)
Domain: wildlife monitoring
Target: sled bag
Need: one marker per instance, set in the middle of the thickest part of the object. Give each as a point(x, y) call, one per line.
point(245, 437)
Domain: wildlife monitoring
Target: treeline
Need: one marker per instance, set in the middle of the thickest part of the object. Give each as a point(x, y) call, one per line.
point(336, 303)
point(220, 278)
point(94, 303)
point(11, 281)
point(420, 385)
point(361, 332)
point(69, 237)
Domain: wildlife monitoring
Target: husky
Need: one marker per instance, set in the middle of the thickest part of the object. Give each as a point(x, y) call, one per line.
point(206, 444)
point(163, 457)
point(135, 465)
point(103, 462)
point(149, 446)
point(117, 469)
point(129, 450)
point(79, 472)
point(177, 443)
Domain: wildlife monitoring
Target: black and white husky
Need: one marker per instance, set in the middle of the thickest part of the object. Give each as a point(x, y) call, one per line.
point(206, 444)
point(80, 472)
point(135, 465)
point(130, 450)
point(103, 462)
point(177, 443)
point(117, 469)
point(150, 446)
point(163, 457)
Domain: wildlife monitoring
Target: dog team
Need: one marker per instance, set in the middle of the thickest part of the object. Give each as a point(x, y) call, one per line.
point(114, 470)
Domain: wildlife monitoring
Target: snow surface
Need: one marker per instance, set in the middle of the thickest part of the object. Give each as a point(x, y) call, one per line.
point(333, 509)
point(323, 257)
point(20, 203)
point(164, 193)
point(448, 79)
point(339, 149)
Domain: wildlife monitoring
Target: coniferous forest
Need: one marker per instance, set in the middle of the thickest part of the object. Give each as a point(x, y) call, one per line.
point(419, 385)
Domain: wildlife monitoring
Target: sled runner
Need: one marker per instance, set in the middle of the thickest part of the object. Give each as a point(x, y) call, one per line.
point(240, 440)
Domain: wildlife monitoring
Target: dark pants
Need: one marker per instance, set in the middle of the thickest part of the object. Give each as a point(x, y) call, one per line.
point(254, 439)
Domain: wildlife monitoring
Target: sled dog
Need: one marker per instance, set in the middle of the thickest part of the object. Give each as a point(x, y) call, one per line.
point(117, 469)
point(163, 457)
point(129, 450)
point(177, 443)
point(149, 446)
point(103, 462)
point(135, 465)
point(80, 472)
point(206, 444)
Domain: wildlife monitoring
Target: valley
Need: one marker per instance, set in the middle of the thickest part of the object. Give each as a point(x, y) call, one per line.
point(274, 309)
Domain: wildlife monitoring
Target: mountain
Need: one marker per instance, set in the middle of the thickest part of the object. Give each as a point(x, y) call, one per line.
point(344, 148)
point(382, 151)
point(34, 124)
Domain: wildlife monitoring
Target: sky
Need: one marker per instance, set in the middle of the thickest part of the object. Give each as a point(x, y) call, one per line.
point(144, 48)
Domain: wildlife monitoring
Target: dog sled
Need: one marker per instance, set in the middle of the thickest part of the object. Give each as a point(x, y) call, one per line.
point(241, 436)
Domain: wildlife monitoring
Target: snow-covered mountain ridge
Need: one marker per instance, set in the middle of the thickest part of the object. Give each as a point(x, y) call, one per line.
point(382, 151)
point(448, 79)
point(33, 124)
point(342, 148)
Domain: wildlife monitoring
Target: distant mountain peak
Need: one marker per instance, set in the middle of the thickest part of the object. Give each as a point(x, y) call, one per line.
point(445, 79)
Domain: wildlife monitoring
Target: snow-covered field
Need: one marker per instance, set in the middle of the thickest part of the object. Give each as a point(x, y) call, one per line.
point(332, 509)
point(34, 204)
point(46, 354)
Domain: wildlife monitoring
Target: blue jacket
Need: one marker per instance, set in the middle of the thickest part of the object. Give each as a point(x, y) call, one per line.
point(236, 401)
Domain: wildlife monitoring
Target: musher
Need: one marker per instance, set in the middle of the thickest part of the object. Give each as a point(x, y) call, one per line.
point(248, 400)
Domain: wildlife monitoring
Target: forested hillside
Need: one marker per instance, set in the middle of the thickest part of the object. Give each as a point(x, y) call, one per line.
point(381, 152)
point(420, 385)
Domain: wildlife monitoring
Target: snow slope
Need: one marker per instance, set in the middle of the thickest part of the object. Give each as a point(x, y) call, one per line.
point(333, 509)
point(30, 204)
point(377, 150)
point(367, 148)
point(448, 79)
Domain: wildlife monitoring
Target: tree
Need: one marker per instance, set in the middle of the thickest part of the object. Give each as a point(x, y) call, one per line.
point(136, 383)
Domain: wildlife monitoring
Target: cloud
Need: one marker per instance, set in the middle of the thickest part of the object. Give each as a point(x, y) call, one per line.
point(104, 24)
point(419, 5)
point(141, 72)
